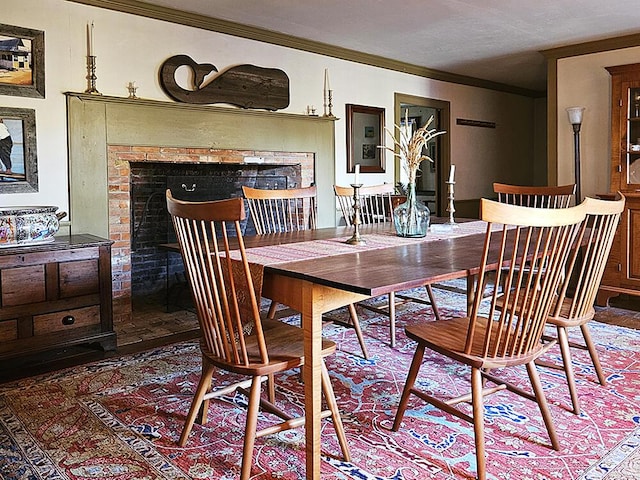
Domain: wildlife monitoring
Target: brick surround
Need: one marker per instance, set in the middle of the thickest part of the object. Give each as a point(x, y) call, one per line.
point(119, 202)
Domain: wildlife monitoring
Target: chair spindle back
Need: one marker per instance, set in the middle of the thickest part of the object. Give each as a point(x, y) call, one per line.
point(225, 288)
point(538, 197)
point(517, 320)
point(578, 293)
point(284, 210)
point(375, 203)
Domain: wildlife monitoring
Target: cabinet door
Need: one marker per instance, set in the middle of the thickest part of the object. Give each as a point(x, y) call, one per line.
point(629, 154)
point(630, 226)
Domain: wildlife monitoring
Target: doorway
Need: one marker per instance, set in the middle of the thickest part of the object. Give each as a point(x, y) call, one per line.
point(430, 184)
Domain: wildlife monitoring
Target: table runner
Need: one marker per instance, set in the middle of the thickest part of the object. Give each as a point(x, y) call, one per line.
point(289, 252)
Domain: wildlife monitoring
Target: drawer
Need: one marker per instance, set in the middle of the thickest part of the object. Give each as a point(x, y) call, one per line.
point(23, 285)
point(66, 320)
point(78, 278)
point(8, 330)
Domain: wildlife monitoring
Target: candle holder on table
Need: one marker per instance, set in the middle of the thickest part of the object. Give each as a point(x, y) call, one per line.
point(91, 76)
point(450, 206)
point(356, 239)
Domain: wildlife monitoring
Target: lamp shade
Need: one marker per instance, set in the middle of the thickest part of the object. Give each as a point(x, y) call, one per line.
point(575, 115)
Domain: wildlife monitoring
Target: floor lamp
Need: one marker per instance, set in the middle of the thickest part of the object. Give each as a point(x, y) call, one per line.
point(575, 118)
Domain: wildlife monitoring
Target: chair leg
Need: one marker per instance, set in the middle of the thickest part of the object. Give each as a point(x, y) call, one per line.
point(478, 421)
point(408, 386)
point(542, 404)
point(335, 413)
point(432, 299)
point(565, 350)
point(271, 313)
point(392, 319)
point(197, 402)
point(356, 327)
point(594, 353)
point(271, 388)
point(250, 429)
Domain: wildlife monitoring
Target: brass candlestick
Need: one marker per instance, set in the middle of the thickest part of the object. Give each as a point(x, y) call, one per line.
point(91, 76)
point(328, 104)
point(450, 207)
point(356, 239)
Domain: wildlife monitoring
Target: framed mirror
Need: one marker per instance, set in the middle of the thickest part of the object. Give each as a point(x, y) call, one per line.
point(365, 134)
point(18, 154)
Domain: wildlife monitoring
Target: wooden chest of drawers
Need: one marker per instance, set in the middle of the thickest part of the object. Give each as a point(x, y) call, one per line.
point(55, 296)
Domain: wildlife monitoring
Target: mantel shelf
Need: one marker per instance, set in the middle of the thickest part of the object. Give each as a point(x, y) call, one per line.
point(87, 97)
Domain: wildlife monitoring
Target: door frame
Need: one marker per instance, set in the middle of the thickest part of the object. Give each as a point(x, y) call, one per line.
point(444, 142)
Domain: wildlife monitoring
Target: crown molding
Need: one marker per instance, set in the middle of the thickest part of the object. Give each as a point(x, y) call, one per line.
point(136, 7)
point(595, 46)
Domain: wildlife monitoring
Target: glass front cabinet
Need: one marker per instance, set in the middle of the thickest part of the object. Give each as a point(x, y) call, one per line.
point(622, 275)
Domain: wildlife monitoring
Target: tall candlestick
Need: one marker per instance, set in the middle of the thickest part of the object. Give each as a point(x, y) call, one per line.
point(356, 179)
point(451, 173)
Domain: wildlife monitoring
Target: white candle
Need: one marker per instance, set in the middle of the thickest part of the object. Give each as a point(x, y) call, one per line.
point(451, 173)
point(356, 180)
point(327, 86)
point(90, 39)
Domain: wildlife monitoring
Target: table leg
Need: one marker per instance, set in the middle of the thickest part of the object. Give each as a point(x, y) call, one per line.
point(312, 327)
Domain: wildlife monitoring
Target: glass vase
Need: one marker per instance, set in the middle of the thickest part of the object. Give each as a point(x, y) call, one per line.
point(411, 218)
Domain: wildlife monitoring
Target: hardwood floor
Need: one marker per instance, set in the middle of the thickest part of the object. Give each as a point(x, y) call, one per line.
point(623, 311)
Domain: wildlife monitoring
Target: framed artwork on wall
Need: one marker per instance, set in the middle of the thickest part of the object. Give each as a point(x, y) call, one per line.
point(365, 127)
point(18, 154)
point(21, 61)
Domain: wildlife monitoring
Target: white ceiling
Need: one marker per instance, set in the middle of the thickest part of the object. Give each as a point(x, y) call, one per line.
point(496, 40)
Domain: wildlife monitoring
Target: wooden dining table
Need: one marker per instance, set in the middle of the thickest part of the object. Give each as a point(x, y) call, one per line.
point(324, 282)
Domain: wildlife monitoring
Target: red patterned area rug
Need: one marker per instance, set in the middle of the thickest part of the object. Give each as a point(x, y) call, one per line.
point(120, 419)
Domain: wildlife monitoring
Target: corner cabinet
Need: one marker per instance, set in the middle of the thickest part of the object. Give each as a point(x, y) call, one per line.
point(622, 274)
point(56, 295)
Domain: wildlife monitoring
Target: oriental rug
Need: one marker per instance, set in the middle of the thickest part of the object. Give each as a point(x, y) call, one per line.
point(120, 418)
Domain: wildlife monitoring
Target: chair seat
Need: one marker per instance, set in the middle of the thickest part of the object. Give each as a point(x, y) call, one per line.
point(565, 319)
point(285, 346)
point(449, 338)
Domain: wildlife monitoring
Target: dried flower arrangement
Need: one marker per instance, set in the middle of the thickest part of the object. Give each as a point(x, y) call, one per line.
point(410, 148)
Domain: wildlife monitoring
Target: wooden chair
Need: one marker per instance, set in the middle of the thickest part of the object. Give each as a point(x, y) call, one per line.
point(577, 296)
point(377, 207)
point(233, 336)
point(283, 210)
point(538, 197)
point(535, 196)
point(509, 337)
point(375, 203)
point(287, 210)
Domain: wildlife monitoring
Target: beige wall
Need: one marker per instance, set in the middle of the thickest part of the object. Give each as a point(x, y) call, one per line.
point(583, 81)
point(131, 48)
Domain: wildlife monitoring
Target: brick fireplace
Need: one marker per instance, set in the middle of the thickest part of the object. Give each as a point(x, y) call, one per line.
point(122, 214)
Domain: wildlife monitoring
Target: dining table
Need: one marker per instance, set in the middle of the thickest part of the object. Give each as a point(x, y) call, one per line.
point(316, 271)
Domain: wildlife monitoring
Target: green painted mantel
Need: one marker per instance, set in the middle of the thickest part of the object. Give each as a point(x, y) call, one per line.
point(95, 121)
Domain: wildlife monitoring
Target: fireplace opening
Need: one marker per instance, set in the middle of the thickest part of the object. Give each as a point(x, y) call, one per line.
point(157, 275)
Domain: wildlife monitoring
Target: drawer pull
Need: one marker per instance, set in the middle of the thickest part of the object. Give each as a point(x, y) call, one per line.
point(187, 189)
point(68, 320)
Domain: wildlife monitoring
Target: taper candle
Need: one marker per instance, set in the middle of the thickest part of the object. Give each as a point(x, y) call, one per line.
point(90, 39)
point(357, 178)
point(451, 173)
point(327, 85)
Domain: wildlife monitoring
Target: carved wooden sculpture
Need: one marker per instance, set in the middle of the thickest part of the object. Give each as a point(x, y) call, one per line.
point(246, 86)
